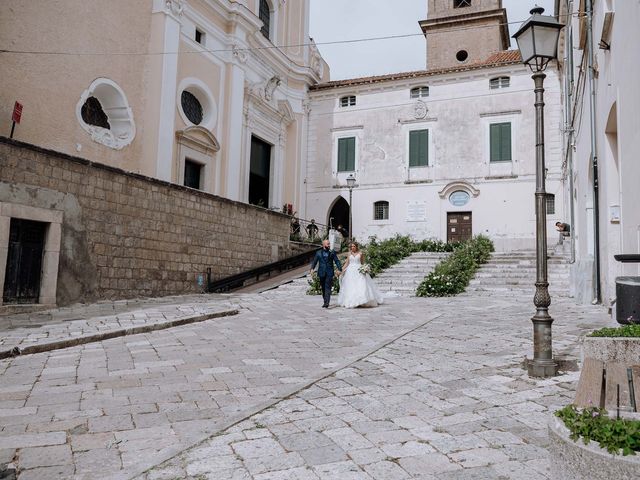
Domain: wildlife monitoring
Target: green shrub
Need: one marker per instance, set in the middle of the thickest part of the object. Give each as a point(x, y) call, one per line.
point(614, 435)
point(624, 331)
point(452, 275)
point(316, 289)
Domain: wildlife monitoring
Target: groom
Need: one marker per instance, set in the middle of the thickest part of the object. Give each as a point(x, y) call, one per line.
point(325, 257)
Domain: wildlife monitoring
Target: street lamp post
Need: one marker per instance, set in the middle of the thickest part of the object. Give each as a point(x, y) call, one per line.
point(351, 182)
point(537, 40)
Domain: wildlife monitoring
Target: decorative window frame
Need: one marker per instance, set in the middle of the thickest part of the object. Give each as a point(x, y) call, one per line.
point(116, 106)
point(200, 146)
point(341, 177)
point(202, 92)
point(500, 82)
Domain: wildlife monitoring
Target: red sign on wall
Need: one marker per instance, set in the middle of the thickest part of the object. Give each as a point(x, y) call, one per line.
point(17, 112)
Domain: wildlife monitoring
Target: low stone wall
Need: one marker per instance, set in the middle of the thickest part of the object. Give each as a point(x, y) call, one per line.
point(125, 235)
point(612, 349)
point(576, 461)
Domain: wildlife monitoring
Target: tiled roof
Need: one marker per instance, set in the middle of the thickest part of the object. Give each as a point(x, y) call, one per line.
point(497, 59)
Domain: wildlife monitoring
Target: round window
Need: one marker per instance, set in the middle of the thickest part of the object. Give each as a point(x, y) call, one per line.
point(192, 107)
point(462, 55)
point(459, 198)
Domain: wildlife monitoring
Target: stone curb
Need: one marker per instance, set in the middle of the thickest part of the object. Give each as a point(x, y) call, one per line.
point(171, 452)
point(98, 337)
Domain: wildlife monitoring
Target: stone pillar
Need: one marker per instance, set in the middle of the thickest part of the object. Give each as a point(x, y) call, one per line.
point(172, 9)
point(235, 159)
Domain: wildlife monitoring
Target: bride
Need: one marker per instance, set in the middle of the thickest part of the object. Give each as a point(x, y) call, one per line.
point(356, 288)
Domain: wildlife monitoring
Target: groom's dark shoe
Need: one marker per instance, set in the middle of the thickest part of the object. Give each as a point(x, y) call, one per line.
point(325, 306)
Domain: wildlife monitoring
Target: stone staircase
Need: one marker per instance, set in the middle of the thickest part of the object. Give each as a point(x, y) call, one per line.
point(404, 277)
point(514, 273)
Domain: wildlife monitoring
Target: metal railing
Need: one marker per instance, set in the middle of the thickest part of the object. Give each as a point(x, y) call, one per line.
point(307, 231)
point(239, 280)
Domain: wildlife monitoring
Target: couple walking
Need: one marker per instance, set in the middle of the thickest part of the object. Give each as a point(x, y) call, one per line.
point(356, 287)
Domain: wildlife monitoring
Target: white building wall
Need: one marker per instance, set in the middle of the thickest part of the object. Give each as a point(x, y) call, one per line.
point(460, 109)
point(617, 136)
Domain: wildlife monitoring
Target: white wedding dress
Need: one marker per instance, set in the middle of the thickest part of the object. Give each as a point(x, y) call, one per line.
point(357, 289)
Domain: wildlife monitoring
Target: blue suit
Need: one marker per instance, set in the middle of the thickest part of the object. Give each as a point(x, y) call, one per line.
point(325, 260)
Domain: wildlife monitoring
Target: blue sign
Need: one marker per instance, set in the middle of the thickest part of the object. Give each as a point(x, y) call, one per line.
point(459, 198)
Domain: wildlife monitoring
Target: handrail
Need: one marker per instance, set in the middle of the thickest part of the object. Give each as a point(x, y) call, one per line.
point(236, 281)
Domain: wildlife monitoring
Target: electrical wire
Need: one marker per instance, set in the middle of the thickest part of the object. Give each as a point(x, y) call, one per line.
point(265, 47)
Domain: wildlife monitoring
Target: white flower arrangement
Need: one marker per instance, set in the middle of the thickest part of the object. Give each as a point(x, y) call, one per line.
point(365, 269)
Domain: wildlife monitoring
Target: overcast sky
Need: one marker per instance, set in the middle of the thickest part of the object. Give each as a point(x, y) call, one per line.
point(334, 20)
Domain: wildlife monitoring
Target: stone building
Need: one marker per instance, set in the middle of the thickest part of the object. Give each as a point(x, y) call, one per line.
point(602, 196)
point(447, 152)
point(194, 93)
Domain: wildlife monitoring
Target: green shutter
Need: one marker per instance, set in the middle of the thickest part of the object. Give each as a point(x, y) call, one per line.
point(500, 142)
point(346, 154)
point(419, 148)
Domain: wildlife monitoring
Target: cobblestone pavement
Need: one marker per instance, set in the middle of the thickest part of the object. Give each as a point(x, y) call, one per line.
point(116, 407)
point(449, 400)
point(47, 327)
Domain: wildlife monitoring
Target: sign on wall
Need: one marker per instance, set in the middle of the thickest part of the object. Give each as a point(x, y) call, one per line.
point(416, 211)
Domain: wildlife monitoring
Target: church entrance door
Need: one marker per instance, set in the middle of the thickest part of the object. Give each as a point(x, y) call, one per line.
point(459, 227)
point(259, 172)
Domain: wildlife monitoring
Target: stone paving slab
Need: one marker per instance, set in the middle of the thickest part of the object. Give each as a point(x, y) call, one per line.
point(125, 404)
point(76, 325)
point(449, 400)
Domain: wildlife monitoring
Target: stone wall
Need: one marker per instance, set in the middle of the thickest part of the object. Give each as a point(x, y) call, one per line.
point(126, 235)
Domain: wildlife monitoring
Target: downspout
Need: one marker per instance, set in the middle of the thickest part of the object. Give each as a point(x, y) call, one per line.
point(594, 151)
point(569, 126)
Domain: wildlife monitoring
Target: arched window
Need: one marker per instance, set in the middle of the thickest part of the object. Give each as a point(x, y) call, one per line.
point(93, 113)
point(348, 101)
point(420, 92)
point(499, 82)
point(104, 113)
point(265, 15)
point(381, 210)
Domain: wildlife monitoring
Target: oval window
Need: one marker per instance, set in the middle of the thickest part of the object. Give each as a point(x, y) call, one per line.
point(192, 107)
point(459, 198)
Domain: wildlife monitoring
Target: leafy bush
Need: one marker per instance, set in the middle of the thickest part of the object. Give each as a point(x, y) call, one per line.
point(624, 331)
point(380, 255)
point(316, 289)
point(452, 275)
point(614, 435)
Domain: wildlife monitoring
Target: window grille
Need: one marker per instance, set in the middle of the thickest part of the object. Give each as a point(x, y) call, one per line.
point(551, 204)
point(461, 3)
point(192, 107)
point(265, 16)
point(381, 210)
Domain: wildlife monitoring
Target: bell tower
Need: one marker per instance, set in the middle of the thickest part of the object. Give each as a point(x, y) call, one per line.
point(460, 32)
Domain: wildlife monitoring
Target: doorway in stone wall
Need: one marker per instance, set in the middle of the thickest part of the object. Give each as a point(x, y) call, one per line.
point(259, 172)
point(459, 227)
point(24, 261)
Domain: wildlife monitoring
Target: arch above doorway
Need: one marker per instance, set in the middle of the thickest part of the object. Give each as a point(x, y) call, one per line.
point(338, 213)
point(458, 185)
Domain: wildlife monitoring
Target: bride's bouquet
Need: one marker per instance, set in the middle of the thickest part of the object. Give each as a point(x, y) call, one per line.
point(365, 269)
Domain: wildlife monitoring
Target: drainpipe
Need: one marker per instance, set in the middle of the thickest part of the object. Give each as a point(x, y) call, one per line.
point(569, 126)
point(594, 151)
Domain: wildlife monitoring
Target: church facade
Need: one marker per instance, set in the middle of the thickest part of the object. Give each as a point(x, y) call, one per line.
point(193, 93)
point(446, 153)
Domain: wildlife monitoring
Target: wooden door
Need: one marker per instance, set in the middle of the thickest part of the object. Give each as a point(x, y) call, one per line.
point(459, 227)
